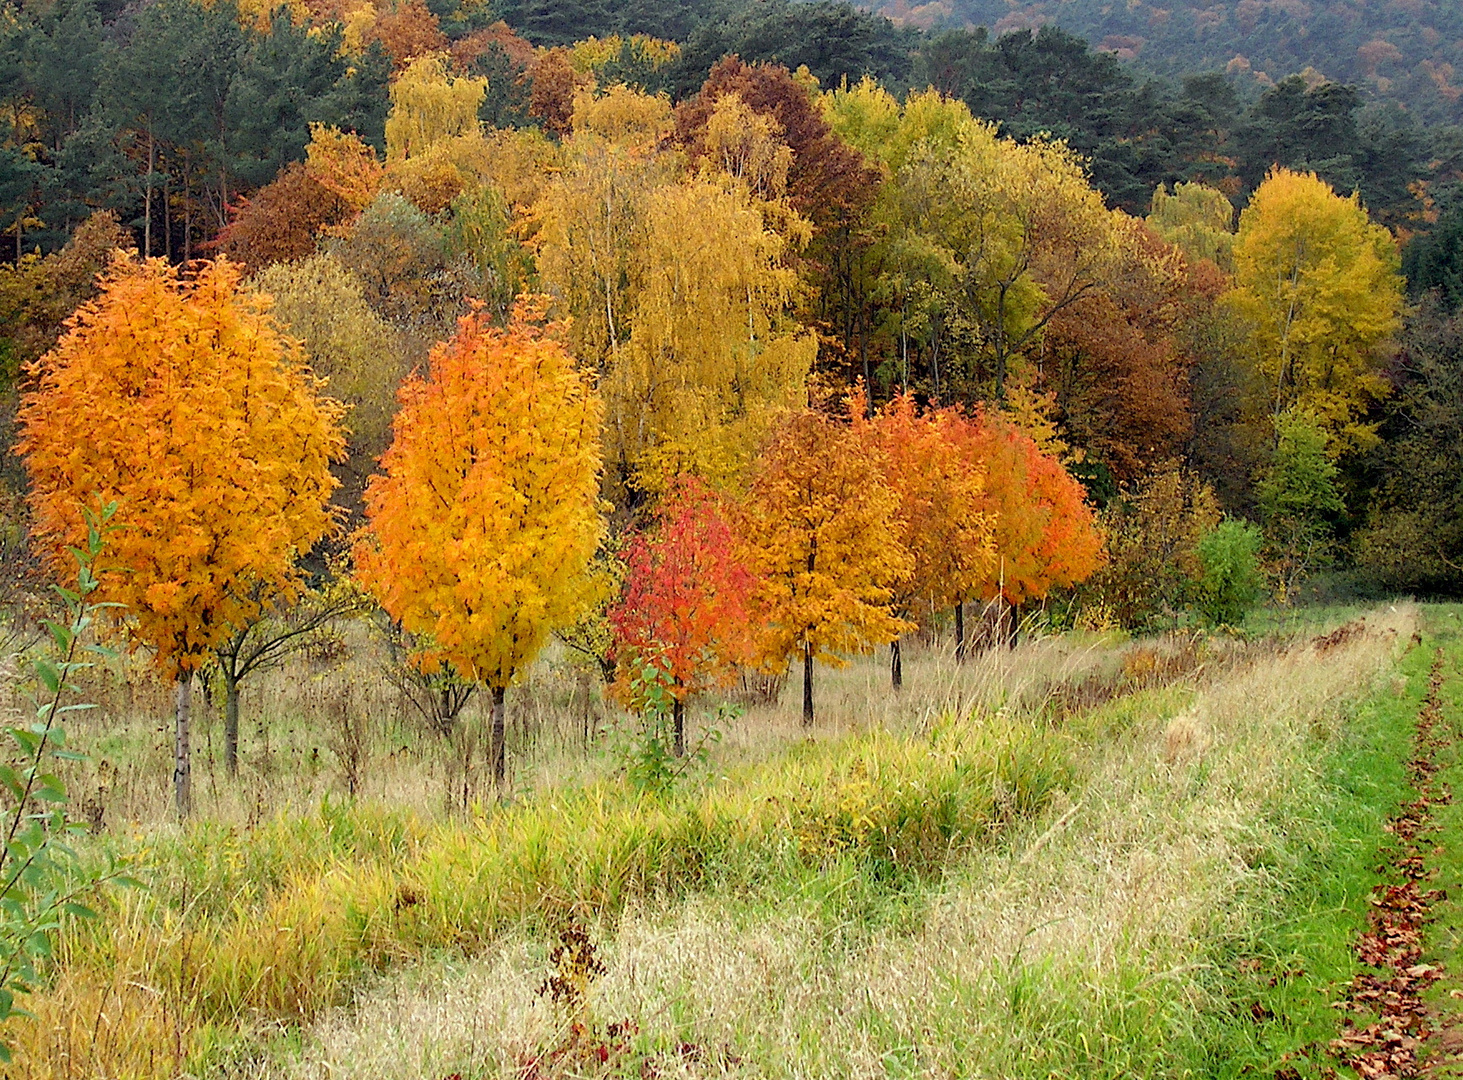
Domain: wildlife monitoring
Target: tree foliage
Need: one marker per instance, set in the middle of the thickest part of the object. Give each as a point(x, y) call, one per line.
point(1318, 284)
point(685, 611)
point(485, 514)
point(823, 538)
point(180, 401)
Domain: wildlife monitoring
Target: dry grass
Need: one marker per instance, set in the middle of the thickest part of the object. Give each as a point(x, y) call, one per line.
point(561, 730)
point(1079, 951)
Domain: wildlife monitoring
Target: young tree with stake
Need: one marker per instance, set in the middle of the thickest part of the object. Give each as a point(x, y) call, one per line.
point(179, 400)
point(485, 515)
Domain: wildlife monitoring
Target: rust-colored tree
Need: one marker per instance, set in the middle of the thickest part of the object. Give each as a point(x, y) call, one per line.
point(822, 534)
point(685, 608)
point(942, 520)
point(282, 220)
point(180, 401)
point(486, 513)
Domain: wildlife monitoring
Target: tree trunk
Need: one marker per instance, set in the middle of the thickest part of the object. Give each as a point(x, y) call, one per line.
point(960, 632)
point(231, 724)
point(182, 757)
point(147, 195)
point(678, 721)
point(807, 686)
point(1015, 624)
point(496, 754)
point(896, 665)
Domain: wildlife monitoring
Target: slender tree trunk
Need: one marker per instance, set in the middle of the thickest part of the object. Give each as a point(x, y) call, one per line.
point(678, 722)
point(182, 757)
point(147, 195)
point(231, 723)
point(1015, 613)
point(960, 632)
point(896, 665)
point(808, 685)
point(496, 755)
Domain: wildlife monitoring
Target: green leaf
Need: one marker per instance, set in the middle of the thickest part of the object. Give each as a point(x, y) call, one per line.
point(48, 675)
point(80, 911)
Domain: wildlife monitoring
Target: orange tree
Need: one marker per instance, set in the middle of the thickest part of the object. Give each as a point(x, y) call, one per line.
point(684, 611)
point(486, 512)
point(1046, 535)
point(942, 519)
point(179, 400)
point(822, 534)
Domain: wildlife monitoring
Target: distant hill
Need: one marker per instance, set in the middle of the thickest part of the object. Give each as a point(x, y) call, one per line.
point(1407, 51)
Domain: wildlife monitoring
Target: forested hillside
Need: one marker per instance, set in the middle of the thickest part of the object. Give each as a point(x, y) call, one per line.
point(1409, 53)
point(815, 178)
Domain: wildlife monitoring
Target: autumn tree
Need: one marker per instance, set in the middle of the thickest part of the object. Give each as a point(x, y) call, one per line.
point(684, 614)
point(985, 240)
point(1046, 535)
point(1318, 284)
point(180, 401)
point(1197, 219)
point(282, 220)
point(681, 294)
point(323, 303)
point(1153, 531)
point(822, 535)
point(429, 104)
point(485, 513)
point(941, 520)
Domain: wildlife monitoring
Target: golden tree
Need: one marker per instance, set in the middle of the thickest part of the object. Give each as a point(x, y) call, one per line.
point(486, 514)
point(180, 401)
point(428, 105)
point(823, 537)
point(1320, 288)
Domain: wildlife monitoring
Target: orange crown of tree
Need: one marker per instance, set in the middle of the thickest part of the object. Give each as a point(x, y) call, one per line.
point(180, 401)
point(486, 513)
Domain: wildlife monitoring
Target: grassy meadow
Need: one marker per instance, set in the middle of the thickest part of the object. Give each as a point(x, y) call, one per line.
point(1081, 857)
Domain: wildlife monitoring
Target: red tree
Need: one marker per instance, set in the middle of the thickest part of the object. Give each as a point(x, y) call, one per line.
point(684, 609)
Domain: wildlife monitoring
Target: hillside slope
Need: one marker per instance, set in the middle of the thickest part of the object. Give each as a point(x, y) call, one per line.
point(1408, 51)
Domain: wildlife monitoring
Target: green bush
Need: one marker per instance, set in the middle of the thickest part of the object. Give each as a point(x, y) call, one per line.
point(1229, 583)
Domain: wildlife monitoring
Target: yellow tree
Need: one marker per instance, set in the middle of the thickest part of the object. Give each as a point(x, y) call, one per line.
point(680, 294)
point(1318, 284)
point(712, 350)
point(823, 538)
point(485, 515)
point(183, 403)
point(428, 105)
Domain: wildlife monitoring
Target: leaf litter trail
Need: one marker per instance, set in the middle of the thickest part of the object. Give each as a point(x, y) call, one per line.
point(1390, 1046)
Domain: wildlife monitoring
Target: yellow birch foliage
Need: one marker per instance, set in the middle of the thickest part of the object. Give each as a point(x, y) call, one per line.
point(428, 105)
point(183, 403)
point(485, 515)
point(1319, 286)
point(712, 353)
point(822, 534)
